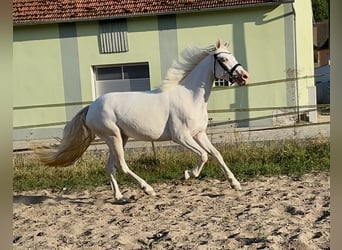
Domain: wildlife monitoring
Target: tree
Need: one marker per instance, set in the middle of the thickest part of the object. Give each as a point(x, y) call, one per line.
point(320, 10)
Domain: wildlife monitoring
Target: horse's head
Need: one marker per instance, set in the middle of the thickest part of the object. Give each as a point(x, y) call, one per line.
point(227, 67)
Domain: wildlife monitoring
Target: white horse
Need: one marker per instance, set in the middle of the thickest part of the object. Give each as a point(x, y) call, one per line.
point(175, 111)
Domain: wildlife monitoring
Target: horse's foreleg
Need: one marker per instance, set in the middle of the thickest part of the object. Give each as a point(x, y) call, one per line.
point(204, 141)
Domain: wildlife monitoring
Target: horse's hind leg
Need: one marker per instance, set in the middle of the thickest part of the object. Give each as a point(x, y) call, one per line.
point(111, 171)
point(116, 144)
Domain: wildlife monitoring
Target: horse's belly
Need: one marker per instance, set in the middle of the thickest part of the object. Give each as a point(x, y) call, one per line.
point(145, 132)
point(147, 125)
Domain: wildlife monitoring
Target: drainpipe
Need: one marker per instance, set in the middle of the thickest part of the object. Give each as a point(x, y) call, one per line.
point(295, 61)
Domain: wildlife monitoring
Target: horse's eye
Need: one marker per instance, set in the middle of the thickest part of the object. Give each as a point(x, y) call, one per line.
point(223, 59)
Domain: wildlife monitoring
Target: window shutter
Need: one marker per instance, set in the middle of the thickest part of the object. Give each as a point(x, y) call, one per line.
point(113, 36)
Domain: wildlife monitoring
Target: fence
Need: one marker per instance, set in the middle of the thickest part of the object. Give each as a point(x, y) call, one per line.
point(216, 130)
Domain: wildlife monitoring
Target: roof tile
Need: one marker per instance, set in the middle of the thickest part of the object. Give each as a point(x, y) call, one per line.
point(47, 11)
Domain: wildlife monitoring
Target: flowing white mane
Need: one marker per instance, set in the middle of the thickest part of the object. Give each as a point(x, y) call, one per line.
point(191, 56)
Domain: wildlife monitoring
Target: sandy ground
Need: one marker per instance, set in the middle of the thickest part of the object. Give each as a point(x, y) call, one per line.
point(270, 213)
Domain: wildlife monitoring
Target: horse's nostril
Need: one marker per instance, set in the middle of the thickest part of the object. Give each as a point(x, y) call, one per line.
point(244, 77)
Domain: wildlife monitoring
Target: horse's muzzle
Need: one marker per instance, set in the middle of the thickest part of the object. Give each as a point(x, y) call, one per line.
point(241, 79)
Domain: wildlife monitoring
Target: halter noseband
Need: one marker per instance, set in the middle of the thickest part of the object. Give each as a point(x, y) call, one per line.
point(226, 69)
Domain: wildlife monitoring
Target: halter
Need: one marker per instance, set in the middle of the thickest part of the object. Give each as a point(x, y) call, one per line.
point(226, 69)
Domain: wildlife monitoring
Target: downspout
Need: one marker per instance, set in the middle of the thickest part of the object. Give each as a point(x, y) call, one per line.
point(295, 61)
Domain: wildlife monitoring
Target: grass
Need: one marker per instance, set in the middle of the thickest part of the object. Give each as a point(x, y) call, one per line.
point(246, 160)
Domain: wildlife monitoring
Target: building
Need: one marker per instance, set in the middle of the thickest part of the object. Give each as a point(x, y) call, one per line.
point(321, 43)
point(321, 40)
point(68, 52)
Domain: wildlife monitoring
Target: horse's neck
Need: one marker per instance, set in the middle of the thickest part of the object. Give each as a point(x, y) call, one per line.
point(200, 79)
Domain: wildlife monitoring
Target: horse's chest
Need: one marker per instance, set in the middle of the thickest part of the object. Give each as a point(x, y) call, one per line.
point(197, 120)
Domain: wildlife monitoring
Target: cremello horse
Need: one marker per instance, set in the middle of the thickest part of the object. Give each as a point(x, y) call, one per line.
point(175, 111)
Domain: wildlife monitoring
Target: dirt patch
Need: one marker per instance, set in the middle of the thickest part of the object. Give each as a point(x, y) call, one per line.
point(270, 213)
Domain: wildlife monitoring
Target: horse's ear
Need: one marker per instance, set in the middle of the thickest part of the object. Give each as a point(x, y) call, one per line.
point(227, 44)
point(218, 43)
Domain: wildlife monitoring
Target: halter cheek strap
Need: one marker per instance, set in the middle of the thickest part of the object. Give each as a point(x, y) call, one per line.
point(229, 71)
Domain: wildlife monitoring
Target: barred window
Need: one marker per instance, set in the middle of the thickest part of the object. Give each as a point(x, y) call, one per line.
point(221, 83)
point(113, 36)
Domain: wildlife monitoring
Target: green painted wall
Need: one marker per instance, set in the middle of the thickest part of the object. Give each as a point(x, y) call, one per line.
point(142, 37)
point(257, 39)
point(305, 55)
point(37, 76)
point(53, 63)
point(42, 82)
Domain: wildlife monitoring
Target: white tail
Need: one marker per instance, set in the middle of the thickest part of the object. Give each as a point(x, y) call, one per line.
point(76, 139)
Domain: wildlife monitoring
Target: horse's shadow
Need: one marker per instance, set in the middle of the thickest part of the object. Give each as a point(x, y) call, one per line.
point(39, 199)
point(30, 199)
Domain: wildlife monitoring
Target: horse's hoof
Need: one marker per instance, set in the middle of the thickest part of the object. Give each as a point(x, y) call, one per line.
point(237, 187)
point(153, 194)
point(122, 201)
point(150, 191)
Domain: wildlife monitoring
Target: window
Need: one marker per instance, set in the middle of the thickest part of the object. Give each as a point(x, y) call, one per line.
point(120, 78)
point(221, 83)
point(113, 36)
